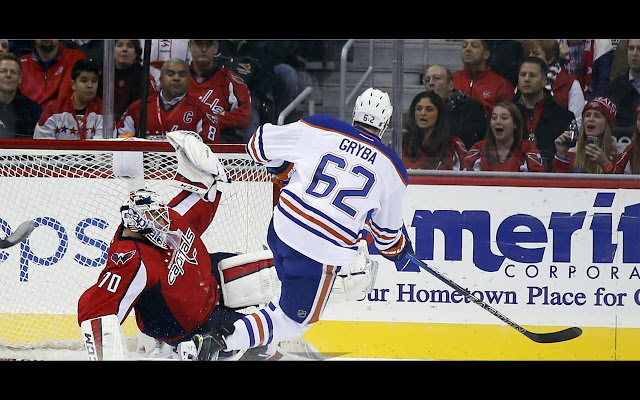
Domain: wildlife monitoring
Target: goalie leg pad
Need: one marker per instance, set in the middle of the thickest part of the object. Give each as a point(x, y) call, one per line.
point(103, 339)
point(248, 279)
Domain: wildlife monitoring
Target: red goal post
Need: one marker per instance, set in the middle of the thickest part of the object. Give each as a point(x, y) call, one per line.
point(69, 190)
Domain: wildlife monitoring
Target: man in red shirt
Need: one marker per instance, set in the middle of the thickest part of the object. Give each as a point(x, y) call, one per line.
point(219, 88)
point(172, 109)
point(46, 72)
point(477, 79)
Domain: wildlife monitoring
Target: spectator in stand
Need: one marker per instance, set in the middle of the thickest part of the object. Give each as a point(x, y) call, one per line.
point(467, 119)
point(590, 60)
point(545, 119)
point(505, 147)
point(221, 89)
point(619, 64)
point(172, 109)
point(4, 46)
point(564, 87)
point(477, 79)
point(46, 72)
point(624, 91)
point(291, 78)
point(166, 49)
point(92, 48)
point(505, 58)
point(78, 116)
point(629, 162)
point(426, 143)
point(18, 114)
point(21, 47)
point(595, 151)
point(250, 59)
point(128, 76)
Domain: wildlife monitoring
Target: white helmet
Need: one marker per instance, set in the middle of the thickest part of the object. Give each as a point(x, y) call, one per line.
point(373, 108)
point(145, 212)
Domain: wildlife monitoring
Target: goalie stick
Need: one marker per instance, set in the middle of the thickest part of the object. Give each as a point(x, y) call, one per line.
point(21, 233)
point(551, 337)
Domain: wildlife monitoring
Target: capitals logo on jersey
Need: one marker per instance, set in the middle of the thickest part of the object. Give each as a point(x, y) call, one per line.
point(122, 258)
point(181, 255)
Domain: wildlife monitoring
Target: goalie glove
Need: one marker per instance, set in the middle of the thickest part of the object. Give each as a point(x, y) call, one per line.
point(199, 170)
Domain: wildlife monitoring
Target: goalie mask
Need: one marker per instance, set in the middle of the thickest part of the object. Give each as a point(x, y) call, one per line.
point(146, 213)
point(373, 108)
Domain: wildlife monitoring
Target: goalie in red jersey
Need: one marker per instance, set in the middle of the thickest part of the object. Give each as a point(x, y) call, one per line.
point(157, 263)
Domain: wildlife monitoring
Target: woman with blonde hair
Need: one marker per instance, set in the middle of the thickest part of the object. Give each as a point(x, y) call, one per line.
point(595, 151)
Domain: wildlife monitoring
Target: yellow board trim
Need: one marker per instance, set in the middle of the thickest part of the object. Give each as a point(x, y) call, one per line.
point(387, 340)
point(423, 341)
point(34, 329)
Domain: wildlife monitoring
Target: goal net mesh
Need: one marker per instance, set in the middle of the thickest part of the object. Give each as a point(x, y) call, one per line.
point(74, 200)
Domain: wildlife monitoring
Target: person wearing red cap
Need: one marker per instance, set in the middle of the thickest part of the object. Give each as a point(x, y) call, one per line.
point(629, 162)
point(595, 151)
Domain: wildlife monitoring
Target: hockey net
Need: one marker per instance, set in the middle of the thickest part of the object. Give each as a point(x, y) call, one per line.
point(69, 190)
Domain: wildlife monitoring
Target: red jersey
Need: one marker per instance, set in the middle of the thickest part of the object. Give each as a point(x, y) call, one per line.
point(625, 161)
point(172, 292)
point(523, 157)
point(226, 94)
point(456, 151)
point(45, 85)
point(188, 113)
point(485, 86)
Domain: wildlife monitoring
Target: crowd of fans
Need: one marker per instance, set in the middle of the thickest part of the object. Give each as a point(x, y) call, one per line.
point(536, 105)
point(516, 105)
point(222, 89)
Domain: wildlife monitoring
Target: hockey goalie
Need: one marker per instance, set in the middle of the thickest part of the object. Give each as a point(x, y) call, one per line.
point(158, 266)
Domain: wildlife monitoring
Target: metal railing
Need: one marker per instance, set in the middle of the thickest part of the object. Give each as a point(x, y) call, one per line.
point(344, 99)
point(292, 106)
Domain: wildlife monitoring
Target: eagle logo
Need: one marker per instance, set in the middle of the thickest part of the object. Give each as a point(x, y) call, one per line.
point(122, 258)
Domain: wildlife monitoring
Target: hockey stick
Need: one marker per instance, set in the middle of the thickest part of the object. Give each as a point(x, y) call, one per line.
point(551, 337)
point(21, 233)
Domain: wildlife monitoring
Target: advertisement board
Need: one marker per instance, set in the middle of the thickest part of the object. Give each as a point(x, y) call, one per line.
point(547, 253)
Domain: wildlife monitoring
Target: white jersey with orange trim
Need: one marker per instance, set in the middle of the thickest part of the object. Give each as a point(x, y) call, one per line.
point(343, 178)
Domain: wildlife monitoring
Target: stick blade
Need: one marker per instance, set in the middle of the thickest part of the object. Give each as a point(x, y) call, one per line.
point(555, 337)
point(23, 230)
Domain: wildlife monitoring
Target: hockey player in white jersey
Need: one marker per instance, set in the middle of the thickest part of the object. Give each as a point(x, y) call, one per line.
point(339, 181)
